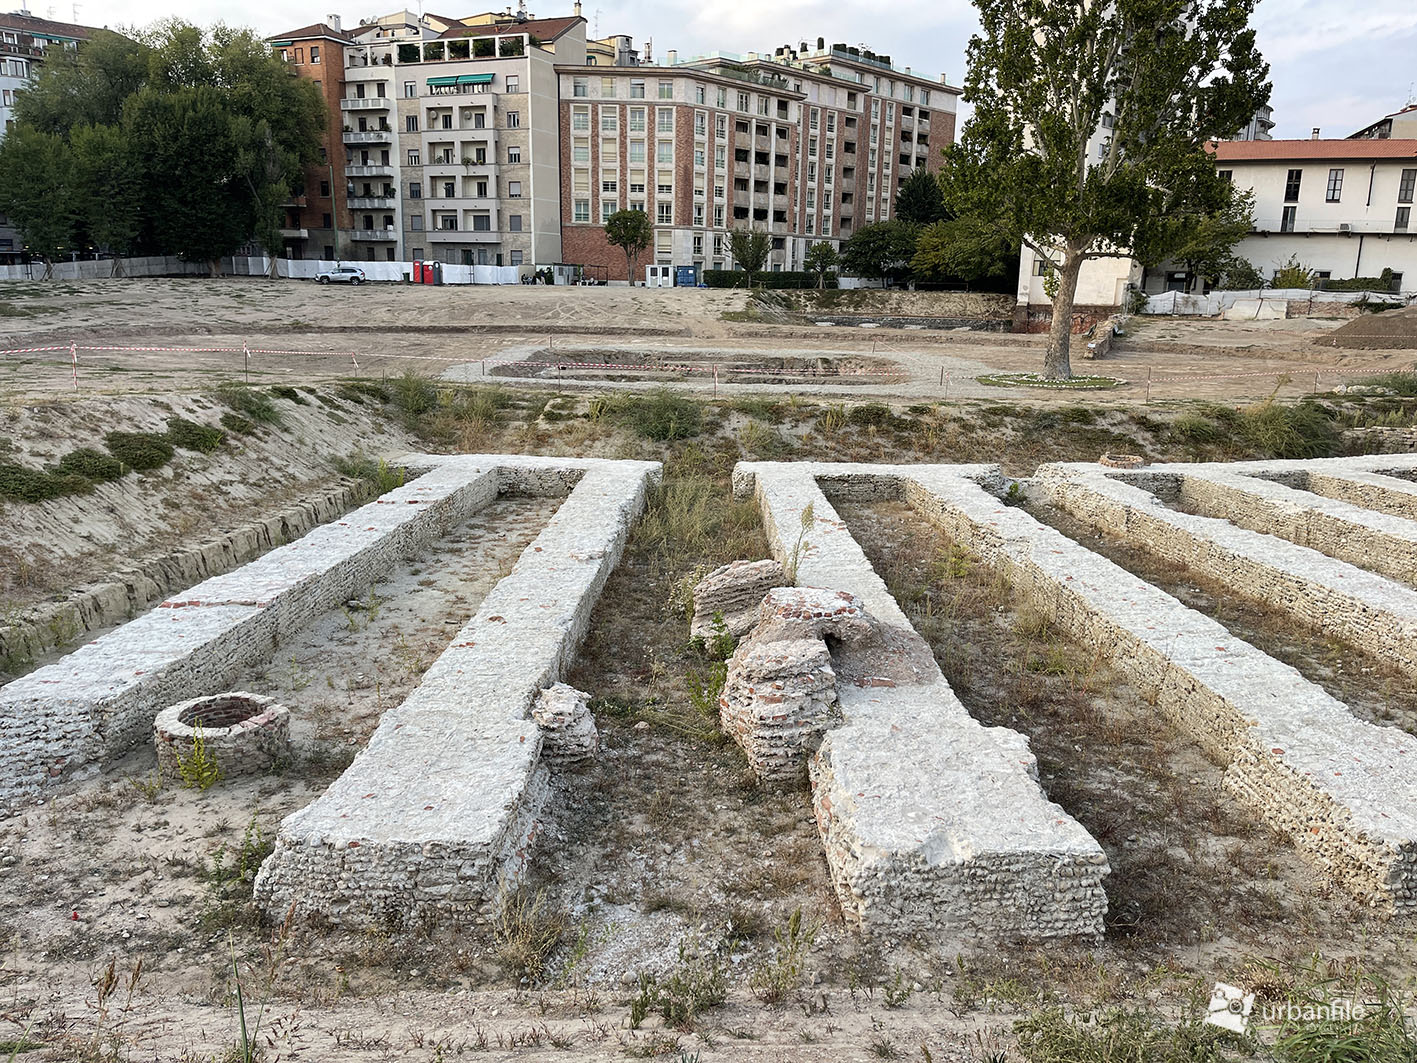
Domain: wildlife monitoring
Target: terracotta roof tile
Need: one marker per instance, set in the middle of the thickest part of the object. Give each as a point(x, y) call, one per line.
point(47, 27)
point(318, 29)
point(546, 29)
point(1282, 150)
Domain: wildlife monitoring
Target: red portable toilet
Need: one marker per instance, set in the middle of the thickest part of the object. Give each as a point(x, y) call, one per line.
point(428, 273)
point(417, 276)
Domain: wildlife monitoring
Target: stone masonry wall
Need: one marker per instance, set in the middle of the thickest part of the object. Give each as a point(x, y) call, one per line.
point(101, 699)
point(932, 822)
point(1343, 790)
point(436, 816)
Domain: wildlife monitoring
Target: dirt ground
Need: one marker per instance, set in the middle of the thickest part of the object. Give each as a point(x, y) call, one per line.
point(662, 856)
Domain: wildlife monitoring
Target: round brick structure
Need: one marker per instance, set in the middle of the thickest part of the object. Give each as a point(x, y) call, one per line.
point(245, 733)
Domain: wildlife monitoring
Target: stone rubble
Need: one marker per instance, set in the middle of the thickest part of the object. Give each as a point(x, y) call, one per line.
point(777, 700)
point(568, 732)
point(244, 733)
point(733, 592)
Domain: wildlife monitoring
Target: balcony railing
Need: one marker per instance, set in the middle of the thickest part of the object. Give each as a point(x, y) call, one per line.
point(372, 202)
point(368, 136)
point(295, 234)
point(464, 236)
point(376, 235)
point(366, 103)
point(373, 169)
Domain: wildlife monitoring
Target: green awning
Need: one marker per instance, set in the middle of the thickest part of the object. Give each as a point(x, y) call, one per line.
point(474, 79)
point(439, 82)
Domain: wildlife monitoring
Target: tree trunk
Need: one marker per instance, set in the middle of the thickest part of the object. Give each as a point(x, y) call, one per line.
point(214, 268)
point(1056, 365)
point(117, 269)
point(48, 269)
point(629, 268)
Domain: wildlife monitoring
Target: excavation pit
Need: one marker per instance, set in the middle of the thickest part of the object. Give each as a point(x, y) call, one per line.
point(244, 733)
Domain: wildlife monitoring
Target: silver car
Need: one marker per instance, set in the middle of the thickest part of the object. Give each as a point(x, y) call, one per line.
point(341, 275)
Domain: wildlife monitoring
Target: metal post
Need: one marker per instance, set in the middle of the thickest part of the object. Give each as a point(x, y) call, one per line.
point(246, 353)
point(74, 356)
point(1148, 386)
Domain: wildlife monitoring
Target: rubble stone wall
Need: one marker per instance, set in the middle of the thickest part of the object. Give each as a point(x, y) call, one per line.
point(436, 816)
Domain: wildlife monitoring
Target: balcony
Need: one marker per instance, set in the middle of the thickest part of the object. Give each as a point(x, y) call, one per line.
point(387, 235)
point(368, 136)
point(295, 234)
point(372, 203)
point(464, 236)
point(367, 103)
point(373, 169)
point(296, 201)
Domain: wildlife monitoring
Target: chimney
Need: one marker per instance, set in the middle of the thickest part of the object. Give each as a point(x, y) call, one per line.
point(672, 56)
point(907, 70)
point(578, 8)
point(333, 22)
point(1315, 134)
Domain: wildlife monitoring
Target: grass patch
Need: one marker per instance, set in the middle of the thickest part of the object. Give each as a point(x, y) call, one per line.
point(413, 394)
point(528, 929)
point(189, 435)
point(378, 474)
point(1404, 384)
point(21, 484)
point(254, 405)
point(142, 451)
point(1118, 1035)
point(285, 391)
point(1305, 430)
point(91, 465)
point(235, 423)
point(1037, 380)
point(362, 391)
point(663, 415)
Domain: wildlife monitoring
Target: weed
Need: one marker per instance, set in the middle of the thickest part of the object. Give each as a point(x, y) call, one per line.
point(241, 426)
point(360, 390)
point(834, 419)
point(91, 465)
point(1053, 1036)
point(285, 391)
point(1302, 431)
point(871, 415)
point(230, 874)
point(528, 928)
point(704, 688)
point(254, 405)
point(696, 983)
point(379, 474)
point(189, 435)
point(1399, 383)
point(414, 394)
point(781, 975)
point(140, 450)
point(147, 788)
point(801, 546)
point(662, 415)
point(896, 993)
point(198, 768)
point(884, 1048)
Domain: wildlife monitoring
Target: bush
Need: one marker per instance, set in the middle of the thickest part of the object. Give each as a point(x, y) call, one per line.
point(736, 278)
point(360, 390)
point(1303, 431)
point(1054, 1036)
point(662, 415)
point(234, 422)
point(253, 405)
point(1381, 283)
point(91, 465)
point(34, 485)
point(414, 394)
point(285, 391)
point(139, 450)
point(1404, 384)
point(189, 435)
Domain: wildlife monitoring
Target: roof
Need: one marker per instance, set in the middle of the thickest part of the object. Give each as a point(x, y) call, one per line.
point(546, 29)
point(318, 29)
point(44, 27)
point(1297, 150)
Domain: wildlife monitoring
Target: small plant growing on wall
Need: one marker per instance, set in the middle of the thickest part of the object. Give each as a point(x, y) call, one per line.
point(198, 768)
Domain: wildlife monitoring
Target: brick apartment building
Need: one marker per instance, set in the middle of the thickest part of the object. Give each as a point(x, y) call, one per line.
point(504, 139)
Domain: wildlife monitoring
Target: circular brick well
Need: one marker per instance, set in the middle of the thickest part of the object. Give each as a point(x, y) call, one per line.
point(245, 733)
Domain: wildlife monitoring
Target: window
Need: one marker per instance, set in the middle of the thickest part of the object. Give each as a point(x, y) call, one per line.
point(580, 210)
point(637, 119)
point(515, 258)
point(743, 102)
point(513, 84)
point(664, 120)
point(447, 120)
point(664, 152)
point(699, 157)
point(1291, 186)
point(698, 246)
point(721, 97)
point(413, 158)
point(1335, 186)
point(1405, 186)
point(514, 120)
point(700, 123)
point(637, 151)
point(664, 188)
point(607, 88)
point(720, 126)
point(514, 153)
point(718, 216)
point(666, 90)
point(1286, 223)
point(698, 214)
point(580, 151)
point(410, 89)
point(1228, 176)
point(449, 189)
point(664, 213)
point(608, 183)
point(580, 119)
point(579, 87)
point(415, 190)
point(514, 223)
point(637, 88)
point(325, 191)
point(514, 190)
point(1404, 216)
point(410, 123)
point(326, 221)
point(700, 94)
point(720, 156)
point(607, 208)
point(609, 120)
point(415, 222)
point(1041, 267)
point(314, 54)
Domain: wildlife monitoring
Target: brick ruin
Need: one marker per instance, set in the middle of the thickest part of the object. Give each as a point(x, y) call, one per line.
point(931, 822)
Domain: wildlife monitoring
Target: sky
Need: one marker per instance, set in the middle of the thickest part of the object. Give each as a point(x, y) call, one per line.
point(1335, 64)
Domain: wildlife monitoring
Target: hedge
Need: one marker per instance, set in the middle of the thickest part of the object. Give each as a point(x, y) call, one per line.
point(736, 278)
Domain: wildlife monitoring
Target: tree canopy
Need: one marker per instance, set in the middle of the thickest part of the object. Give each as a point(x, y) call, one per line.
point(882, 250)
point(821, 258)
point(921, 200)
point(750, 249)
point(1090, 127)
point(631, 231)
point(183, 141)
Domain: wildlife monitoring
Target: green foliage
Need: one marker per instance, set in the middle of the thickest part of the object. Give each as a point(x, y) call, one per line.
point(414, 394)
point(704, 688)
point(1380, 283)
point(1204, 239)
point(780, 976)
point(230, 875)
point(1403, 383)
point(821, 259)
point(882, 250)
point(378, 474)
point(1293, 274)
point(661, 415)
point(198, 768)
point(697, 983)
point(252, 404)
point(21, 484)
point(1117, 1035)
point(91, 465)
point(801, 546)
point(737, 278)
point(290, 394)
point(189, 435)
point(1305, 430)
point(964, 249)
point(1041, 77)
point(38, 191)
point(631, 232)
point(921, 200)
point(749, 249)
point(408, 53)
point(235, 423)
point(108, 188)
point(142, 451)
point(1239, 275)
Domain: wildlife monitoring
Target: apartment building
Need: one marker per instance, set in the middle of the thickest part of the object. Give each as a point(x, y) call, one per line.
point(806, 144)
point(445, 138)
point(24, 42)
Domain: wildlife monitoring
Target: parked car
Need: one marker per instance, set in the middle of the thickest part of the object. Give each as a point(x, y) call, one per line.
point(341, 275)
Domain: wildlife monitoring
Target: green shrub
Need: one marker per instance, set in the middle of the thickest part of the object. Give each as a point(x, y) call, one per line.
point(1193, 428)
point(285, 391)
point(1117, 1035)
point(360, 390)
point(414, 394)
point(736, 278)
point(871, 415)
point(139, 450)
point(234, 422)
point(91, 465)
point(251, 404)
point(189, 435)
point(22, 484)
point(662, 415)
point(1404, 384)
point(1302, 431)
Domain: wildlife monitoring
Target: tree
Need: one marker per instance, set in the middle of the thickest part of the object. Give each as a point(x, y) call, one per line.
point(964, 249)
point(630, 231)
point(1169, 76)
point(921, 200)
point(109, 189)
point(1205, 241)
point(37, 192)
point(882, 250)
point(749, 249)
point(84, 86)
point(821, 258)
